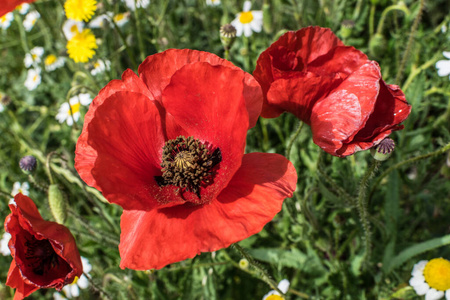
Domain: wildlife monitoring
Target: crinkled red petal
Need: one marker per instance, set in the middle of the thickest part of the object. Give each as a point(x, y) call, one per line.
point(16, 281)
point(153, 239)
point(10, 5)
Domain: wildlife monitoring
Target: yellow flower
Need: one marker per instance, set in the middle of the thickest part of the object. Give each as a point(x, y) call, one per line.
point(80, 10)
point(80, 46)
point(431, 278)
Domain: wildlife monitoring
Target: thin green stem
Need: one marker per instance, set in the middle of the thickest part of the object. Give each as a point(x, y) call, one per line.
point(97, 288)
point(139, 34)
point(372, 20)
point(47, 166)
point(294, 137)
point(400, 7)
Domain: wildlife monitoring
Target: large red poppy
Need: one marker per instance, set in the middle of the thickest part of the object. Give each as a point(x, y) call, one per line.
point(44, 253)
point(332, 87)
point(168, 146)
point(10, 5)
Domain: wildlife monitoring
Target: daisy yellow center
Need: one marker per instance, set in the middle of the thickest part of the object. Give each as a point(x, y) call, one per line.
point(119, 17)
point(74, 28)
point(33, 21)
point(274, 297)
point(50, 60)
point(246, 17)
point(81, 46)
point(35, 77)
point(437, 274)
point(74, 108)
point(3, 19)
point(33, 56)
point(80, 10)
point(96, 65)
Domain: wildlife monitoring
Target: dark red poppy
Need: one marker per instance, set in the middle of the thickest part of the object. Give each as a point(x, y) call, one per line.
point(44, 253)
point(332, 87)
point(168, 146)
point(10, 5)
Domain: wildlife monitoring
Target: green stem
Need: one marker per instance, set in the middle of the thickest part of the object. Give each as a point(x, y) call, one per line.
point(414, 27)
point(372, 20)
point(362, 208)
point(294, 137)
point(418, 70)
point(97, 288)
point(400, 7)
point(47, 166)
point(139, 34)
point(23, 37)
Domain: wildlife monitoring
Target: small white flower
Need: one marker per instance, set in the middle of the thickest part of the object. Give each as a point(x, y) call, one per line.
point(4, 249)
point(34, 57)
point(212, 2)
point(33, 79)
point(248, 21)
point(132, 4)
point(431, 278)
point(283, 286)
point(23, 8)
point(5, 20)
point(71, 112)
point(30, 20)
point(58, 296)
point(22, 188)
point(72, 27)
point(443, 66)
point(444, 28)
point(52, 62)
point(100, 66)
point(73, 289)
point(99, 22)
point(121, 18)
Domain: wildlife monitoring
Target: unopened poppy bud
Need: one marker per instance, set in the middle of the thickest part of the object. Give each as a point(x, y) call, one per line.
point(227, 35)
point(5, 99)
point(57, 203)
point(346, 28)
point(377, 45)
point(383, 150)
point(267, 18)
point(28, 164)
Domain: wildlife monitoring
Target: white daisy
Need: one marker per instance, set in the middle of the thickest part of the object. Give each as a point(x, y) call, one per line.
point(22, 188)
point(283, 286)
point(121, 18)
point(132, 4)
point(30, 20)
point(443, 66)
point(100, 66)
point(212, 2)
point(70, 113)
point(72, 27)
point(73, 289)
point(5, 20)
point(248, 21)
point(2, 108)
point(99, 21)
point(34, 57)
point(52, 62)
point(33, 79)
point(431, 278)
point(4, 249)
point(23, 8)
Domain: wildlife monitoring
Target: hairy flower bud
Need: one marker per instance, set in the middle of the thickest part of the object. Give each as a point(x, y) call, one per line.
point(383, 150)
point(28, 164)
point(377, 45)
point(57, 203)
point(346, 28)
point(227, 35)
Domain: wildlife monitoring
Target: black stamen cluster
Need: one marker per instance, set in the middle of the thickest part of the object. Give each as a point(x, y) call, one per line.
point(40, 256)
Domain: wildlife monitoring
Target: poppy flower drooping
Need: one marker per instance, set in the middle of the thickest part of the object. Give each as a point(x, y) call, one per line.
point(168, 146)
point(333, 88)
point(44, 253)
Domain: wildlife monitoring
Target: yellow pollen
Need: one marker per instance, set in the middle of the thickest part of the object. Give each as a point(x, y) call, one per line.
point(75, 108)
point(119, 17)
point(246, 17)
point(75, 280)
point(50, 60)
point(274, 297)
point(437, 274)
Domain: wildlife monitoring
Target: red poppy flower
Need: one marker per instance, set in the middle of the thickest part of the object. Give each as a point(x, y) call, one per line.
point(168, 146)
point(44, 253)
point(10, 5)
point(334, 88)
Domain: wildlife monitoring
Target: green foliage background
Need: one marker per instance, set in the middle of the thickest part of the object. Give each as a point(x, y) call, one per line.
point(316, 241)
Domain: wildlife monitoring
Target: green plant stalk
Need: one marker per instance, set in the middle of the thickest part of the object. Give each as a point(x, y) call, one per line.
point(414, 27)
point(97, 288)
point(94, 231)
point(372, 20)
point(362, 204)
point(23, 36)
point(388, 9)
point(294, 137)
point(139, 34)
point(418, 70)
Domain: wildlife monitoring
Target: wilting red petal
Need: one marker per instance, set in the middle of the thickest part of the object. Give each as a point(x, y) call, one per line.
point(10, 5)
point(209, 108)
point(255, 194)
point(16, 281)
point(85, 155)
point(127, 135)
point(157, 70)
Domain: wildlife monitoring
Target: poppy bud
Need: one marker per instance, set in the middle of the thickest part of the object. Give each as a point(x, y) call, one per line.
point(57, 203)
point(28, 164)
point(5, 99)
point(346, 28)
point(227, 35)
point(267, 18)
point(377, 45)
point(383, 150)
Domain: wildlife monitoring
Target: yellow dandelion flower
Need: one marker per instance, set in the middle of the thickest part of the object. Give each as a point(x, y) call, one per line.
point(81, 46)
point(80, 10)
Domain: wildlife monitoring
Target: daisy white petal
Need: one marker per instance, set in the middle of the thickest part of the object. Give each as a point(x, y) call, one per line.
point(433, 294)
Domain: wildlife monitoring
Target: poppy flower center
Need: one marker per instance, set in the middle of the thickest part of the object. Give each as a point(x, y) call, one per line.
point(188, 164)
point(40, 256)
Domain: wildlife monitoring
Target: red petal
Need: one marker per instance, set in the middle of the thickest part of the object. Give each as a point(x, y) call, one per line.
point(85, 155)
point(337, 118)
point(157, 70)
point(255, 194)
point(15, 281)
point(10, 5)
point(127, 134)
point(208, 102)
